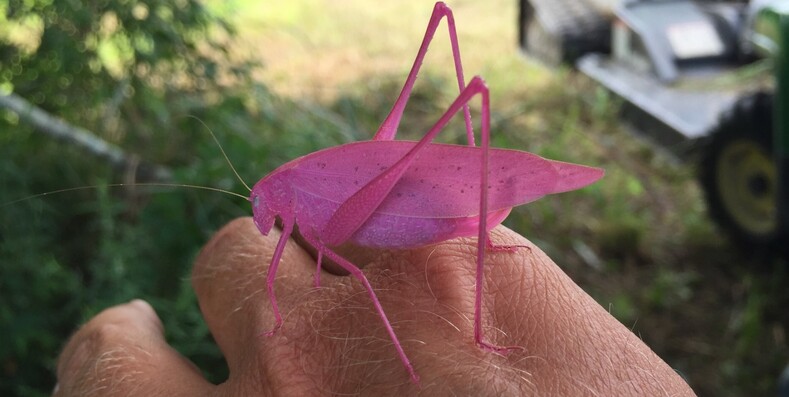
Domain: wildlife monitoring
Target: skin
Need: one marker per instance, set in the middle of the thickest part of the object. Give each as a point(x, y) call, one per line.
point(333, 342)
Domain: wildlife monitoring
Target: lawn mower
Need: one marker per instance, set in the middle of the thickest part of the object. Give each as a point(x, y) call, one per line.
point(707, 80)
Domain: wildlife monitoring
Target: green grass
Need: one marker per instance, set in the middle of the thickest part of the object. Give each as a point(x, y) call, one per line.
point(638, 241)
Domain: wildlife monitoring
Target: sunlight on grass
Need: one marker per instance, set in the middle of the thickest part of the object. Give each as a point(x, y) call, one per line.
point(25, 34)
point(316, 48)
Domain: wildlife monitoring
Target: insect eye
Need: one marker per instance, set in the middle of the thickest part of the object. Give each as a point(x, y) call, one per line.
point(256, 201)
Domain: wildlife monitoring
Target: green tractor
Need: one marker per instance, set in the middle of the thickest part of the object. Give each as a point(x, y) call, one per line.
point(709, 80)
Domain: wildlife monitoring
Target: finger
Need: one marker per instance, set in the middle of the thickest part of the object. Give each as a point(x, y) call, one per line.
point(229, 278)
point(122, 351)
point(572, 345)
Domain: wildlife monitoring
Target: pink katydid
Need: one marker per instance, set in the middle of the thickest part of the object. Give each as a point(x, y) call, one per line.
point(402, 194)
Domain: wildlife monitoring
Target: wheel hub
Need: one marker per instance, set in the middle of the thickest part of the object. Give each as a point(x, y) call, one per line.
point(746, 179)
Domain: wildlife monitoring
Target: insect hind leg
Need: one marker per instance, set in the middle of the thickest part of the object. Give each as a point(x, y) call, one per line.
point(388, 128)
point(354, 211)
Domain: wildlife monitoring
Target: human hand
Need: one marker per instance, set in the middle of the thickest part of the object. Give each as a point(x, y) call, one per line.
point(333, 342)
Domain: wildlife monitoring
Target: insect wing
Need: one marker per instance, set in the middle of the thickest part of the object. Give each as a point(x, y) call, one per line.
point(443, 182)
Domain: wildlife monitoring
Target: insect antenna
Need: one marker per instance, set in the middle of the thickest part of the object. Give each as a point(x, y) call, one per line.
point(154, 184)
point(221, 149)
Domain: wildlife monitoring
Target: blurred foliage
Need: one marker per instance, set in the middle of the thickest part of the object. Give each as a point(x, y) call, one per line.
point(132, 72)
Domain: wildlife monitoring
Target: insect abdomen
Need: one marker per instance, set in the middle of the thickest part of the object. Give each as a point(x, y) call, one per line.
point(391, 231)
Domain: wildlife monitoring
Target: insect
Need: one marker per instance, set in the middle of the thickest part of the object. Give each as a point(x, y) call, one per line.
point(400, 194)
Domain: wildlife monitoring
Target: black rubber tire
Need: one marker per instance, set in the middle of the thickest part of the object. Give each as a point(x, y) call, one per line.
point(557, 32)
point(738, 173)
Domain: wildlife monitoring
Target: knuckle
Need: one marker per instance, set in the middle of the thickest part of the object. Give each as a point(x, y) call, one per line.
point(102, 362)
point(224, 245)
point(101, 336)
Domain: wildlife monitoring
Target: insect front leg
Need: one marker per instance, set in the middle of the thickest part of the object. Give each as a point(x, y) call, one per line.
point(318, 270)
point(388, 128)
point(272, 273)
point(357, 273)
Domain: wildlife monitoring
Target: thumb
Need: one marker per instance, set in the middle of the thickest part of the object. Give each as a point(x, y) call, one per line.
point(122, 351)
